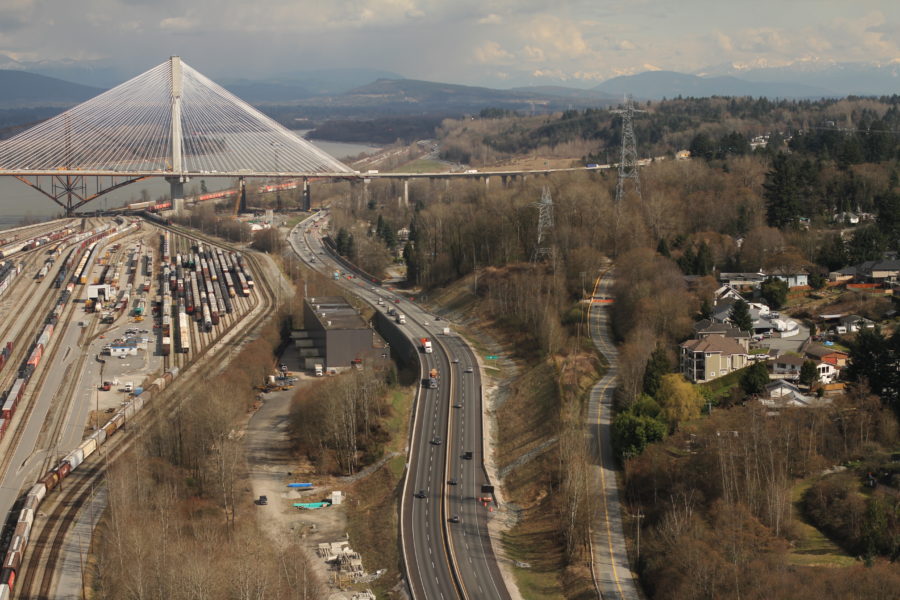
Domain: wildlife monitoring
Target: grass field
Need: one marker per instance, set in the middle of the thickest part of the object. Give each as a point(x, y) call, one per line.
point(423, 165)
point(813, 548)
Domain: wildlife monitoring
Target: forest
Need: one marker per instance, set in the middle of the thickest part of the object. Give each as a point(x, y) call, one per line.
point(719, 484)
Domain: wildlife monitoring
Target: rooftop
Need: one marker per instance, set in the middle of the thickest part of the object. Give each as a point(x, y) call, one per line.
point(334, 312)
point(714, 343)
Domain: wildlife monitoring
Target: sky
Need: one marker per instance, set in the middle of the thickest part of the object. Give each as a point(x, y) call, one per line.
point(499, 43)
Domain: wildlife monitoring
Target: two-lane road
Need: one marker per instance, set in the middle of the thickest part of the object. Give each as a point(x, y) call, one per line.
point(611, 571)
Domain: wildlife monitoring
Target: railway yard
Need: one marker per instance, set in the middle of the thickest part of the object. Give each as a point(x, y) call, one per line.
point(99, 319)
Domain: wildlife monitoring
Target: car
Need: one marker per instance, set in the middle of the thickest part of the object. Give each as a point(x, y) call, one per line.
point(396, 300)
point(470, 370)
point(457, 405)
point(451, 482)
point(438, 318)
point(421, 494)
point(455, 361)
point(437, 441)
point(467, 455)
point(454, 519)
point(380, 302)
point(262, 501)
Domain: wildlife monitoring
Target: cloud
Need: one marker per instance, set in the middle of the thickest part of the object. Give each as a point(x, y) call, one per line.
point(533, 54)
point(557, 38)
point(179, 24)
point(492, 53)
point(491, 19)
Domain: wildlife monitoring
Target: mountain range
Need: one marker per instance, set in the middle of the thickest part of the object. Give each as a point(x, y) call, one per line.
point(358, 93)
point(654, 85)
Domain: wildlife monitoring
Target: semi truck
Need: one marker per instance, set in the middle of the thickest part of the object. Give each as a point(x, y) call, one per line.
point(433, 379)
point(426, 346)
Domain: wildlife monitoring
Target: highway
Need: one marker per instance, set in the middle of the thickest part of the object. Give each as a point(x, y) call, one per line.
point(431, 541)
point(609, 554)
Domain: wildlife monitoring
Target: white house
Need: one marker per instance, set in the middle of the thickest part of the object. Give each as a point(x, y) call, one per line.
point(826, 372)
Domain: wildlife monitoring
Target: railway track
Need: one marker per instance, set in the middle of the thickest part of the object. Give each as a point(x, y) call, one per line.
point(22, 343)
point(38, 578)
point(43, 556)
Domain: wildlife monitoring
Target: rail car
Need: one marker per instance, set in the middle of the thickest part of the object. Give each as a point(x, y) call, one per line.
point(184, 334)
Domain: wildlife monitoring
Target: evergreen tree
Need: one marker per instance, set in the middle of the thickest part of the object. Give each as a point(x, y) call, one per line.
point(808, 373)
point(833, 253)
point(663, 248)
point(412, 263)
point(782, 192)
point(341, 241)
point(703, 264)
point(755, 378)
point(351, 247)
point(740, 315)
point(774, 292)
point(888, 220)
point(657, 366)
point(874, 358)
point(706, 309)
point(867, 243)
point(688, 261)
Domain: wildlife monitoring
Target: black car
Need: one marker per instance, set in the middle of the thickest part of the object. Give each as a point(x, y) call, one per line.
point(262, 501)
point(437, 441)
point(467, 455)
point(451, 482)
point(454, 519)
point(421, 494)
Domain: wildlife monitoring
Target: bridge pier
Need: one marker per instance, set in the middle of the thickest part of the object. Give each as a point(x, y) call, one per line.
point(406, 192)
point(307, 197)
point(176, 190)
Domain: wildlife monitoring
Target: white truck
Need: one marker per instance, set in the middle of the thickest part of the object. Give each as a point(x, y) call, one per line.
point(426, 346)
point(401, 318)
point(320, 370)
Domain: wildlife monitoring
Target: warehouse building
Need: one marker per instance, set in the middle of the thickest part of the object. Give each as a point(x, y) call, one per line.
point(335, 334)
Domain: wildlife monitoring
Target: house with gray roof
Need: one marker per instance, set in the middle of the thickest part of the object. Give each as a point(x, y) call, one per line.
point(712, 357)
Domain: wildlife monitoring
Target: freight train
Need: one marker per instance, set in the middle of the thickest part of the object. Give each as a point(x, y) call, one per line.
point(12, 562)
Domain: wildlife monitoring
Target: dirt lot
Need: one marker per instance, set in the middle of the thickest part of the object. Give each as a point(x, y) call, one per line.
point(271, 466)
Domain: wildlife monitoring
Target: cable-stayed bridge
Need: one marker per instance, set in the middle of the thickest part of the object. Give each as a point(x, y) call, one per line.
point(173, 122)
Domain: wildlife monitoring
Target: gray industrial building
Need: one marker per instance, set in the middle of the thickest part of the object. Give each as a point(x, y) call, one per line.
point(334, 333)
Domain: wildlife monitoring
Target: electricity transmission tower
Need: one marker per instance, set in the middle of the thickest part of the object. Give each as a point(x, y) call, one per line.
point(545, 223)
point(628, 160)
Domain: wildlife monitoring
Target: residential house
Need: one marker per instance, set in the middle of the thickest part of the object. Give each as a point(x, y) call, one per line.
point(788, 365)
point(782, 394)
point(712, 357)
point(886, 271)
point(825, 354)
point(827, 372)
point(706, 328)
point(853, 323)
point(726, 292)
point(742, 281)
point(798, 279)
